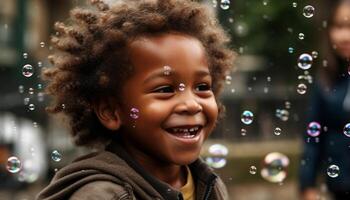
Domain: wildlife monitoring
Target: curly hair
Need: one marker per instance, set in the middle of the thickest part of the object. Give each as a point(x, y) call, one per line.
point(85, 69)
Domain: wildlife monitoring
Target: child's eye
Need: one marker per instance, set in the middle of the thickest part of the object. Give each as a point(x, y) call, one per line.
point(203, 87)
point(164, 89)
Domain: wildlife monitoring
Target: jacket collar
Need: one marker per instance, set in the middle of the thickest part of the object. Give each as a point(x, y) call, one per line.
point(202, 174)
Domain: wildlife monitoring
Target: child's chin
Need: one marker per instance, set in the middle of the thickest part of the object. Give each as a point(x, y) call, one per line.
point(186, 160)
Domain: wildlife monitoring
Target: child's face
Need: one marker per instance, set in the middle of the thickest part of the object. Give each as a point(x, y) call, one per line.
point(340, 31)
point(171, 89)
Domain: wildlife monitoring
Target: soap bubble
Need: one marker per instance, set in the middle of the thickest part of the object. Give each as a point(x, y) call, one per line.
point(308, 11)
point(295, 4)
point(31, 107)
point(26, 100)
point(301, 36)
point(314, 129)
point(290, 50)
point(21, 89)
point(282, 114)
point(333, 171)
point(228, 79)
point(42, 44)
point(25, 55)
point(167, 70)
point(13, 164)
point(346, 130)
point(243, 132)
point(305, 61)
point(225, 4)
point(182, 87)
point(27, 70)
point(252, 170)
point(56, 156)
point(314, 54)
point(274, 167)
point(41, 96)
point(301, 89)
point(247, 117)
point(31, 91)
point(217, 158)
point(277, 131)
point(134, 113)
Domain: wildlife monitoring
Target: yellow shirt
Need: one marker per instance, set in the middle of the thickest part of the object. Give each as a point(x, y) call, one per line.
point(188, 189)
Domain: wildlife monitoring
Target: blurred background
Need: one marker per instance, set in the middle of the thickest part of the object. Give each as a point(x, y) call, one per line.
point(257, 147)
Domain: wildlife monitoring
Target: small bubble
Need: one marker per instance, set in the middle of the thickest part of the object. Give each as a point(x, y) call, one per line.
point(228, 79)
point(134, 113)
point(268, 79)
point(13, 165)
point(247, 117)
point(305, 61)
point(40, 96)
point(266, 90)
point(277, 131)
point(282, 114)
point(301, 36)
point(42, 44)
point(56, 156)
point(225, 4)
point(295, 4)
point(233, 90)
point(27, 70)
point(290, 50)
point(31, 107)
point(40, 86)
point(243, 132)
point(265, 3)
point(333, 171)
point(40, 64)
point(167, 70)
point(314, 54)
point(252, 170)
point(63, 106)
point(182, 87)
point(287, 104)
point(25, 55)
point(301, 89)
point(26, 100)
point(308, 11)
point(31, 91)
point(21, 89)
point(346, 130)
point(314, 129)
point(215, 3)
point(275, 167)
point(35, 124)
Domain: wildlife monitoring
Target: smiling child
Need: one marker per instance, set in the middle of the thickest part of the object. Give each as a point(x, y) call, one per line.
point(139, 79)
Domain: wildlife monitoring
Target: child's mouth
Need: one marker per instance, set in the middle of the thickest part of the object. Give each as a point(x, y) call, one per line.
point(186, 132)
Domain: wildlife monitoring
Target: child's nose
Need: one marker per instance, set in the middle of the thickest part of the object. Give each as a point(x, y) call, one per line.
point(188, 104)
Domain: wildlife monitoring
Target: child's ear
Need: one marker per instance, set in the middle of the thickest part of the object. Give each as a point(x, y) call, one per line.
point(108, 116)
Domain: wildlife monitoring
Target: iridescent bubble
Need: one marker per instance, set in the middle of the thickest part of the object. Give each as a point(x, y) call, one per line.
point(333, 171)
point(31, 91)
point(225, 4)
point(217, 158)
point(277, 131)
point(308, 11)
point(228, 79)
point(42, 44)
point(346, 130)
point(27, 70)
point(40, 86)
point(301, 89)
point(282, 114)
point(134, 113)
point(274, 167)
point(167, 70)
point(295, 4)
point(314, 129)
point(247, 117)
point(252, 170)
point(314, 54)
point(31, 107)
point(56, 156)
point(13, 164)
point(301, 36)
point(243, 132)
point(21, 89)
point(40, 64)
point(290, 49)
point(182, 87)
point(305, 61)
point(25, 55)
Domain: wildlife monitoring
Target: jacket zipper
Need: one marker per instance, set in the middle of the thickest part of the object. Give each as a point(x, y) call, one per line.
point(209, 188)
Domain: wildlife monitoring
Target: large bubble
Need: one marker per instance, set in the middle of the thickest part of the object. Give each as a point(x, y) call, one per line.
point(274, 167)
point(13, 164)
point(308, 11)
point(305, 61)
point(217, 156)
point(247, 117)
point(346, 130)
point(314, 129)
point(27, 70)
point(333, 171)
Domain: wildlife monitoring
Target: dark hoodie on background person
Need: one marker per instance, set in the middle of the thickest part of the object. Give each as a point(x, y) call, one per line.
point(112, 174)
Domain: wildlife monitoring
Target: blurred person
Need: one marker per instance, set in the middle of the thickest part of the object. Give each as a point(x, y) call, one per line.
point(330, 107)
point(140, 80)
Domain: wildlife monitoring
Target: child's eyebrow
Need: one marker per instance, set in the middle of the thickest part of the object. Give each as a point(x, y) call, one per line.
point(160, 73)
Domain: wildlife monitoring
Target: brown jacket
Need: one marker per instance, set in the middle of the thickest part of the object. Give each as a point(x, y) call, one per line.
point(113, 175)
